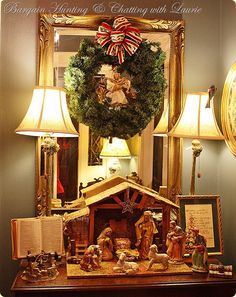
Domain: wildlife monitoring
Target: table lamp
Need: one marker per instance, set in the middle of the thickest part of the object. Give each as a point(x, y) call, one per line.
point(48, 117)
point(161, 130)
point(162, 126)
point(197, 121)
point(115, 149)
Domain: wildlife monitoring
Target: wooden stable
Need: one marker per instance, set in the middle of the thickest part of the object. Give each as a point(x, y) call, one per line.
point(119, 203)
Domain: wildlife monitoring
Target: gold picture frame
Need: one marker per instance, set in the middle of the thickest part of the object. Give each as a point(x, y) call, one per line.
point(203, 212)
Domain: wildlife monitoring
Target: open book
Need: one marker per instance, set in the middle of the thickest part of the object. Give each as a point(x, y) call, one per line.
point(36, 234)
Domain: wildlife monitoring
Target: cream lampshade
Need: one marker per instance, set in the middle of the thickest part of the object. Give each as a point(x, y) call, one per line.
point(113, 150)
point(48, 116)
point(116, 148)
point(162, 126)
point(197, 121)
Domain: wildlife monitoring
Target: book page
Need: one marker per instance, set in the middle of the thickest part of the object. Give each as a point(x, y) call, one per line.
point(52, 234)
point(28, 237)
point(203, 219)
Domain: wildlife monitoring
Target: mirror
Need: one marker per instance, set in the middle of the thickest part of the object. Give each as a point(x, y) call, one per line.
point(228, 111)
point(148, 157)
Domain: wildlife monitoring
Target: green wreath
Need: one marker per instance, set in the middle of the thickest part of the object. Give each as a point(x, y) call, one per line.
point(146, 71)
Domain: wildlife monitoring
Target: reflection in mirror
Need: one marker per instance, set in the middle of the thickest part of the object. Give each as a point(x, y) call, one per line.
point(67, 42)
point(160, 155)
point(67, 169)
point(156, 161)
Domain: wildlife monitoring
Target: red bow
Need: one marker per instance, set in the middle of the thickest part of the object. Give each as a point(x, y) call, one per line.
point(122, 35)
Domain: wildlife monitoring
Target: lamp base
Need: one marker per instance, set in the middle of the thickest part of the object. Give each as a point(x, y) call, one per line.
point(114, 166)
point(196, 149)
point(49, 147)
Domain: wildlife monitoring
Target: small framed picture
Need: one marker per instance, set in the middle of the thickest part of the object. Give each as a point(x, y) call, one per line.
point(202, 212)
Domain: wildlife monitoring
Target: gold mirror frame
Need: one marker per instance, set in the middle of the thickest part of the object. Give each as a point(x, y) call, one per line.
point(226, 108)
point(174, 28)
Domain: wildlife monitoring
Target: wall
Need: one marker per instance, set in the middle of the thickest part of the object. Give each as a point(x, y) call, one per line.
point(201, 71)
point(210, 51)
point(226, 161)
point(18, 75)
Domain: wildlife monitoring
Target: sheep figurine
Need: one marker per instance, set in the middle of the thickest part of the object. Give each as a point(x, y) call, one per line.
point(123, 266)
point(154, 257)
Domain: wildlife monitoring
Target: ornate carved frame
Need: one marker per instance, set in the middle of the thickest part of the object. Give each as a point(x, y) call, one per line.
point(175, 28)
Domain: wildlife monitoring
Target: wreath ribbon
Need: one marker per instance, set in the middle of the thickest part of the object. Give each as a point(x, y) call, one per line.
point(121, 37)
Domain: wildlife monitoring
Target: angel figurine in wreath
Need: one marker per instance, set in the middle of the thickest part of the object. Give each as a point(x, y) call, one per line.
point(115, 89)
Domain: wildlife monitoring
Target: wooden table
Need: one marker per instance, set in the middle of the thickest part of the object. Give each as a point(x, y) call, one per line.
point(137, 286)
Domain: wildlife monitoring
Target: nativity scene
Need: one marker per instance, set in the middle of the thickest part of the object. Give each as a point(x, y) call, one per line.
point(120, 222)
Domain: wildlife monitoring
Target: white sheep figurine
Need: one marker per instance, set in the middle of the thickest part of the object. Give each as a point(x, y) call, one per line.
point(154, 257)
point(123, 266)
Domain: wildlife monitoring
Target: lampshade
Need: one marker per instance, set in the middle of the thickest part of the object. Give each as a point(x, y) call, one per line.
point(196, 120)
point(118, 148)
point(47, 114)
point(162, 127)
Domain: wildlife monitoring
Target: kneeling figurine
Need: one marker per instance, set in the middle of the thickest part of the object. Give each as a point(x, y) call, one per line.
point(91, 259)
point(154, 257)
point(123, 266)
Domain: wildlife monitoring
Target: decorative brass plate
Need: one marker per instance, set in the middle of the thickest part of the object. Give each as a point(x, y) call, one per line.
point(228, 109)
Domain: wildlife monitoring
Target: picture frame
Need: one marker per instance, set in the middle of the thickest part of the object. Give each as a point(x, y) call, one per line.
point(203, 212)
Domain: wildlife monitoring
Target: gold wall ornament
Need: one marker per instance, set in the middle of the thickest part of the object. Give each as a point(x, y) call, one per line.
point(228, 109)
point(48, 23)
